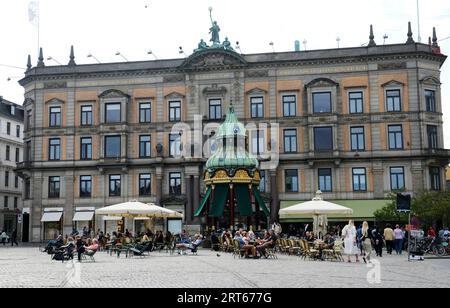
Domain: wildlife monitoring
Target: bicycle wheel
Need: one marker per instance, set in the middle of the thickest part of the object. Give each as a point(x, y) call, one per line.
point(439, 251)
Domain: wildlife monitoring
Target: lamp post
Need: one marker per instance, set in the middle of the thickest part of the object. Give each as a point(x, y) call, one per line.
point(92, 56)
point(151, 53)
point(119, 54)
point(51, 58)
point(181, 51)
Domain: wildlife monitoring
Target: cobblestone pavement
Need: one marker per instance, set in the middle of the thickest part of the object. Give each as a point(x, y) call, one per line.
point(28, 267)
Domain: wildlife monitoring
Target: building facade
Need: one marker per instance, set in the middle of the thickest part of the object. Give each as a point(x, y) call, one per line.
point(355, 123)
point(11, 153)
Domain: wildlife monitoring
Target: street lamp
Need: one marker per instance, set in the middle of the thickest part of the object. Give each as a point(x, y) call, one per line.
point(119, 54)
point(304, 43)
point(338, 40)
point(151, 53)
point(181, 51)
point(272, 44)
point(92, 56)
point(238, 47)
point(51, 58)
point(385, 37)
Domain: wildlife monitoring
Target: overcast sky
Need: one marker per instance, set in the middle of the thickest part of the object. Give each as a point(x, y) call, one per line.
point(133, 27)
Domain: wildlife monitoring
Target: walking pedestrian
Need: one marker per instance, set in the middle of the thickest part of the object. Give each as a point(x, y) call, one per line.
point(378, 241)
point(366, 242)
point(398, 235)
point(349, 236)
point(389, 238)
point(14, 238)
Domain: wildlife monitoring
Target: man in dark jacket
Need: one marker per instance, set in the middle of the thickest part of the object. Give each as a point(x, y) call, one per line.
point(14, 238)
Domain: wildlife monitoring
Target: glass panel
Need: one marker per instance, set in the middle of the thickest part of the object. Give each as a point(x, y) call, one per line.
point(113, 113)
point(322, 102)
point(323, 138)
point(112, 147)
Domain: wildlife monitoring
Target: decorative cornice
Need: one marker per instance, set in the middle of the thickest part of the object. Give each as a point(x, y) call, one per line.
point(322, 82)
point(55, 101)
point(113, 93)
point(431, 80)
point(174, 95)
point(256, 91)
point(213, 59)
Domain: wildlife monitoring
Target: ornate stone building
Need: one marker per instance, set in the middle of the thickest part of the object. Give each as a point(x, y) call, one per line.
point(356, 123)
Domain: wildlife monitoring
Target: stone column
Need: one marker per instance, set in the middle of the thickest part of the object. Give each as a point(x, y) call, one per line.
point(275, 206)
point(378, 183)
point(418, 176)
point(159, 178)
point(196, 196)
point(69, 209)
point(36, 230)
point(188, 210)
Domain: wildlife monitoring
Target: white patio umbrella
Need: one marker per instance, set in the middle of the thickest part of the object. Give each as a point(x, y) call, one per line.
point(135, 208)
point(318, 208)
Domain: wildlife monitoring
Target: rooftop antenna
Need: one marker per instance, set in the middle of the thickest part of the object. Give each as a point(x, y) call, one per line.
point(181, 51)
point(238, 47)
point(385, 37)
point(272, 44)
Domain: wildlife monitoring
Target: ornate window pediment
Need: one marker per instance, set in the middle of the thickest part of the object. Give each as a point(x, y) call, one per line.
point(431, 80)
point(393, 83)
point(55, 101)
point(215, 90)
point(213, 59)
point(174, 95)
point(113, 93)
point(322, 82)
point(256, 91)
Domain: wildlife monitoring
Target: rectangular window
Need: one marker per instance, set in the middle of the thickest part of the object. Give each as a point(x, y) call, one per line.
point(29, 118)
point(5, 202)
point(54, 149)
point(356, 103)
point(27, 189)
point(17, 155)
point(395, 137)
point(257, 137)
point(323, 139)
point(397, 178)
point(28, 149)
point(357, 138)
point(291, 180)
point(53, 187)
point(18, 131)
point(112, 147)
point(86, 148)
point(16, 181)
point(145, 146)
point(432, 137)
point(8, 128)
point(114, 185)
point(55, 116)
point(8, 152)
point(359, 179)
point(174, 111)
point(175, 183)
point(322, 102)
point(290, 141)
point(435, 178)
point(6, 178)
point(257, 107)
point(174, 145)
point(16, 202)
point(215, 109)
point(430, 100)
point(112, 113)
point(289, 105)
point(393, 100)
point(86, 116)
point(85, 186)
point(145, 112)
point(262, 184)
point(325, 180)
point(145, 185)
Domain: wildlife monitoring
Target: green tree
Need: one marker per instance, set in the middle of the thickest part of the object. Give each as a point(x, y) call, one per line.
point(432, 207)
point(389, 212)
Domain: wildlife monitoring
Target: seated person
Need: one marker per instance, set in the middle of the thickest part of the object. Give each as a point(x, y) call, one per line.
point(93, 247)
point(244, 241)
point(268, 242)
point(58, 242)
point(81, 248)
point(193, 245)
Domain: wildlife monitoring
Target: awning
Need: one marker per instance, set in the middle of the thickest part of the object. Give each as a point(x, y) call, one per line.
point(362, 209)
point(243, 200)
point(141, 218)
point(260, 201)
point(51, 217)
point(112, 218)
point(204, 201)
point(220, 197)
point(83, 216)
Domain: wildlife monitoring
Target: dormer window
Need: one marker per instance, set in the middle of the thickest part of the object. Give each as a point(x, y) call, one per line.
point(13, 110)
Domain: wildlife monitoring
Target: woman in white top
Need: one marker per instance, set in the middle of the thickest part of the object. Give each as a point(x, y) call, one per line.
point(349, 236)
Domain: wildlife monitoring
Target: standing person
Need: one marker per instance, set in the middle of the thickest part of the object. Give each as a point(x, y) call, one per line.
point(80, 247)
point(398, 236)
point(14, 238)
point(431, 232)
point(349, 236)
point(389, 238)
point(359, 240)
point(366, 241)
point(378, 241)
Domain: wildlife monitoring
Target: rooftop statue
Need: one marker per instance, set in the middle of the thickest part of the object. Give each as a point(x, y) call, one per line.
point(214, 31)
point(227, 45)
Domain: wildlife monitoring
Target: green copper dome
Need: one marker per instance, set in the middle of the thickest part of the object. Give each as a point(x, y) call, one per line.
point(230, 140)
